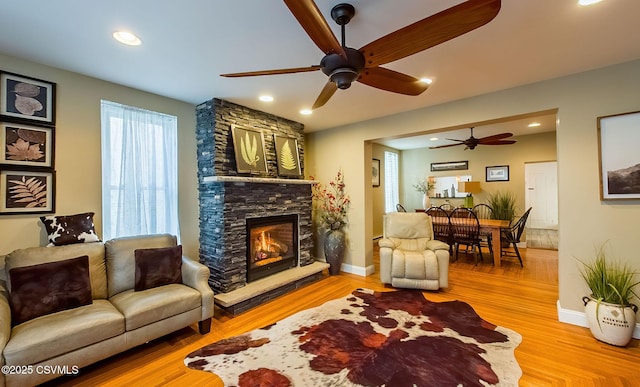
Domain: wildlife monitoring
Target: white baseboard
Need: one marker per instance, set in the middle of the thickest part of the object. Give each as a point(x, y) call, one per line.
point(358, 270)
point(580, 319)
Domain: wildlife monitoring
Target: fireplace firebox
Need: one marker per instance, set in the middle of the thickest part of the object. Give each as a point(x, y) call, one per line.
point(272, 245)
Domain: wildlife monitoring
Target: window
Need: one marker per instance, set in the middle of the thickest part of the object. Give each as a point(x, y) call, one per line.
point(139, 171)
point(391, 195)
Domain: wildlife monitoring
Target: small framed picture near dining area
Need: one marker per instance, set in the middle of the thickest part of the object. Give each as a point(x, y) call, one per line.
point(618, 139)
point(497, 173)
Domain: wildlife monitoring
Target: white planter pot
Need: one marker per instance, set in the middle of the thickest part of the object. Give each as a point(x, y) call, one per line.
point(426, 201)
point(610, 323)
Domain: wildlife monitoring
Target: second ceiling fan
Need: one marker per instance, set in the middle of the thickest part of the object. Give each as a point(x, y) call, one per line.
point(344, 65)
point(472, 142)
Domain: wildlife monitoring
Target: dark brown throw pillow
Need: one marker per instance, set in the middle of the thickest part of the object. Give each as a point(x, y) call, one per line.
point(157, 267)
point(68, 229)
point(48, 288)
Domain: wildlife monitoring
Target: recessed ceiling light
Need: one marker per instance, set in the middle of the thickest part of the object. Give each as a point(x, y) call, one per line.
point(266, 98)
point(305, 112)
point(433, 139)
point(588, 2)
point(534, 124)
point(428, 81)
point(127, 38)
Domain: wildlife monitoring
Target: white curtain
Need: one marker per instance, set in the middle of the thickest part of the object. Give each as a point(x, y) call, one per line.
point(391, 181)
point(139, 172)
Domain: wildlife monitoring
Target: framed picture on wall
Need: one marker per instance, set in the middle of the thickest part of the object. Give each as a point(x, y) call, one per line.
point(497, 173)
point(26, 191)
point(375, 173)
point(26, 145)
point(26, 99)
point(248, 146)
point(287, 156)
point(619, 159)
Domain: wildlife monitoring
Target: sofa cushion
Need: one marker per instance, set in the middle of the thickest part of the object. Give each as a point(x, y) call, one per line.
point(157, 267)
point(55, 334)
point(36, 255)
point(121, 260)
point(155, 304)
point(50, 287)
point(69, 229)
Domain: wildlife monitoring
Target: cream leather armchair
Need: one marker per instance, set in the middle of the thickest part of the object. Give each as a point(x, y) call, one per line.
point(409, 256)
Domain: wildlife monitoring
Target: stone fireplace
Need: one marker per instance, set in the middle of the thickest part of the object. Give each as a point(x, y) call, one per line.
point(230, 203)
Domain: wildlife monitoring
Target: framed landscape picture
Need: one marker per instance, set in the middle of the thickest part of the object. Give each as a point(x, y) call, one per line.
point(497, 173)
point(26, 145)
point(619, 159)
point(26, 192)
point(248, 146)
point(287, 156)
point(27, 99)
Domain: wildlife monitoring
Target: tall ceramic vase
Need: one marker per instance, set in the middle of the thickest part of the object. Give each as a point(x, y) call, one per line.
point(426, 201)
point(334, 250)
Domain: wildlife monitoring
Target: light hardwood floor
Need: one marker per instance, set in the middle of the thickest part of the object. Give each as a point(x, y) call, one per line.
point(523, 299)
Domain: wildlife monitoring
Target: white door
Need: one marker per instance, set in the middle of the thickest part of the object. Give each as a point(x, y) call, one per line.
point(541, 193)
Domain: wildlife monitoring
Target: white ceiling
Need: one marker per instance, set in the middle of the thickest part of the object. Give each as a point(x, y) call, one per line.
point(187, 44)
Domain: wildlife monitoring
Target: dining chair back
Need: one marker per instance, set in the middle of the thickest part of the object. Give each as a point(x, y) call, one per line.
point(465, 229)
point(484, 211)
point(441, 225)
point(511, 236)
point(400, 208)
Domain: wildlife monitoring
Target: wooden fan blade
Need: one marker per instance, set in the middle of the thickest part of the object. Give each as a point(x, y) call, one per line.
point(312, 21)
point(393, 81)
point(494, 137)
point(498, 142)
point(326, 93)
point(445, 146)
point(272, 72)
point(430, 31)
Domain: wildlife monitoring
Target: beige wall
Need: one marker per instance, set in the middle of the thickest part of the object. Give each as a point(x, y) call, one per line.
point(77, 153)
point(377, 197)
point(584, 221)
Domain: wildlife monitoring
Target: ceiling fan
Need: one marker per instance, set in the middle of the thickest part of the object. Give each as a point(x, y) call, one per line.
point(472, 142)
point(345, 65)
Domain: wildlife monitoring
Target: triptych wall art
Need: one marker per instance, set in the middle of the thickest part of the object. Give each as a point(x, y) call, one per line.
point(27, 135)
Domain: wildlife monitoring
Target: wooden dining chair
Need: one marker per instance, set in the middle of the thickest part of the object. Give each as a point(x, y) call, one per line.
point(465, 229)
point(484, 211)
point(511, 236)
point(441, 226)
point(400, 208)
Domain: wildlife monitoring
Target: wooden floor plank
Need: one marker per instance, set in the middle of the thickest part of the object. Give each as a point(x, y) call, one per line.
point(522, 299)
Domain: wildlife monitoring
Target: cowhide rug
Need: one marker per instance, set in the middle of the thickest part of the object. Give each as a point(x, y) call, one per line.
point(395, 338)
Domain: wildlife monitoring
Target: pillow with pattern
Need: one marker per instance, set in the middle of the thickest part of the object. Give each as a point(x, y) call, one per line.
point(69, 229)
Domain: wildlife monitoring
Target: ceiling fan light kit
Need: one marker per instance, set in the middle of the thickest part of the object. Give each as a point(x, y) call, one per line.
point(344, 65)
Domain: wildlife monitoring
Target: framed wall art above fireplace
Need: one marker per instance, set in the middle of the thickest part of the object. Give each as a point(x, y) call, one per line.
point(248, 146)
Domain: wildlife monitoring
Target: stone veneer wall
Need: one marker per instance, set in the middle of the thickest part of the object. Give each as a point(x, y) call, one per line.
point(224, 205)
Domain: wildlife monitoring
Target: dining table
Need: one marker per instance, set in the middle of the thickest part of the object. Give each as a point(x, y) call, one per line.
point(492, 226)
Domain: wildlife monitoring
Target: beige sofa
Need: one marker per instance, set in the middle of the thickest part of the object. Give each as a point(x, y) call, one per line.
point(117, 318)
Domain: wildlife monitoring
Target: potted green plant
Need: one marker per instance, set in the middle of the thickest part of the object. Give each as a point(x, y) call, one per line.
point(503, 205)
point(610, 314)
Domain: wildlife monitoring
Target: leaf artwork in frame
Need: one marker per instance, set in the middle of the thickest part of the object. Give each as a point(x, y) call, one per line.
point(26, 192)
point(26, 145)
point(287, 156)
point(248, 146)
point(25, 99)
